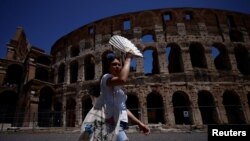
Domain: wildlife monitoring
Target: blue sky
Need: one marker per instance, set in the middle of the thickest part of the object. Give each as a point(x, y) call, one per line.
point(45, 21)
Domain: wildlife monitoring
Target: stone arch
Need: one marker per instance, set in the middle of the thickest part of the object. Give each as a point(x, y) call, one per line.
point(174, 58)
point(151, 61)
point(236, 35)
point(197, 54)
point(248, 99)
point(242, 59)
point(221, 57)
point(73, 71)
point(61, 73)
point(133, 65)
point(58, 114)
point(148, 37)
point(8, 103)
point(46, 95)
point(14, 75)
point(207, 108)
point(70, 112)
point(155, 108)
point(86, 105)
point(233, 107)
point(89, 67)
point(182, 109)
point(74, 51)
point(132, 104)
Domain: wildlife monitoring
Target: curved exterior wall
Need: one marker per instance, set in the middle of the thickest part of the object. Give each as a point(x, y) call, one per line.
point(192, 87)
point(198, 62)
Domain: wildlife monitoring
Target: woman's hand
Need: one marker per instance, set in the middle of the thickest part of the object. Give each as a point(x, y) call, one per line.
point(129, 54)
point(141, 125)
point(144, 128)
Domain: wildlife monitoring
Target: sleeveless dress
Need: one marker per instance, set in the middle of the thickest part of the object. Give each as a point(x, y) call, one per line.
point(103, 121)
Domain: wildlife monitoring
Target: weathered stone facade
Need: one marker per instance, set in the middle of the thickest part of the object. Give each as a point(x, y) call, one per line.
point(199, 70)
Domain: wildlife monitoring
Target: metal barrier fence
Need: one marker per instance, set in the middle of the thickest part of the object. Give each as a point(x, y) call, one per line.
point(67, 120)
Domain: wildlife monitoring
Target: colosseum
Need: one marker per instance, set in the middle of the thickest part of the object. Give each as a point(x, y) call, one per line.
point(195, 71)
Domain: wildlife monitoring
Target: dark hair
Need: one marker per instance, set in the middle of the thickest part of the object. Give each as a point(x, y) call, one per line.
point(110, 57)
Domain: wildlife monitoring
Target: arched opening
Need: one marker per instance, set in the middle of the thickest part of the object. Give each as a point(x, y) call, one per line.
point(148, 38)
point(151, 62)
point(73, 71)
point(197, 54)
point(13, 76)
point(155, 109)
point(207, 108)
point(220, 57)
point(133, 65)
point(174, 58)
point(232, 104)
point(89, 67)
point(182, 110)
point(236, 35)
point(45, 107)
point(74, 51)
point(70, 112)
point(61, 73)
point(132, 104)
point(58, 114)
point(86, 106)
point(242, 59)
point(8, 103)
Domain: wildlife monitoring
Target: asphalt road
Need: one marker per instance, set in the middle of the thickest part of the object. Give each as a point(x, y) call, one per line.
point(167, 136)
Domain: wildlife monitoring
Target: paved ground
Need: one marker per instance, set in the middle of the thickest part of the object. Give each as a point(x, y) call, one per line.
point(167, 136)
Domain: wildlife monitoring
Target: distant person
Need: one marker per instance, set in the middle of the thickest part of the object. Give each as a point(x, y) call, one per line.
point(113, 102)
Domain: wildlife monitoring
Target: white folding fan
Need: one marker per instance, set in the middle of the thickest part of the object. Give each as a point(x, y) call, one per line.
point(124, 45)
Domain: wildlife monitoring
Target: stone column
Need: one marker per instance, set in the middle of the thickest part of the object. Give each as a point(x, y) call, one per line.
point(186, 59)
point(209, 58)
point(78, 111)
point(170, 109)
point(234, 63)
point(246, 110)
point(67, 74)
point(162, 59)
point(245, 34)
point(98, 67)
point(81, 73)
point(225, 32)
point(64, 102)
point(221, 110)
point(244, 103)
point(33, 109)
point(196, 115)
point(33, 114)
point(143, 106)
point(55, 79)
point(31, 69)
point(139, 65)
point(181, 29)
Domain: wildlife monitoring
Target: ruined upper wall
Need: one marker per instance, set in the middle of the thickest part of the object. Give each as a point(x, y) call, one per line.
point(202, 22)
